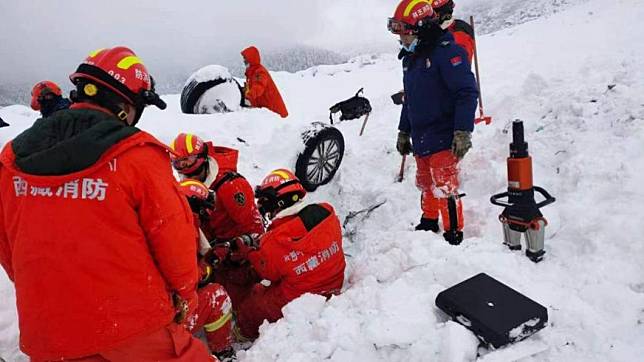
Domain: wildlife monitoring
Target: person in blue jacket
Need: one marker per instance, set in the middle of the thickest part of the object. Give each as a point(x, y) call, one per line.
point(437, 118)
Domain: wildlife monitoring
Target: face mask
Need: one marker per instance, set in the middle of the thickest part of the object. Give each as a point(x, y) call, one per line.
point(411, 47)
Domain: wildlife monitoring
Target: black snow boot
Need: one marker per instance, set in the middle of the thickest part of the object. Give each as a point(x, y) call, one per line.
point(453, 237)
point(427, 225)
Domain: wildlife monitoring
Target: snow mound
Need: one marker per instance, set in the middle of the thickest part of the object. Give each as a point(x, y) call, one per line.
point(208, 73)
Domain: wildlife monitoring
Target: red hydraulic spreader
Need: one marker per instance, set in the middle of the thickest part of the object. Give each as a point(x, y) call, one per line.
point(521, 214)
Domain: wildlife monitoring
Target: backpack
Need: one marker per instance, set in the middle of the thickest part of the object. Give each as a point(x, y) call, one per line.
point(352, 108)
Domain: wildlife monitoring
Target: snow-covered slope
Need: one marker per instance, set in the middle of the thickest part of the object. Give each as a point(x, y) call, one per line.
point(576, 79)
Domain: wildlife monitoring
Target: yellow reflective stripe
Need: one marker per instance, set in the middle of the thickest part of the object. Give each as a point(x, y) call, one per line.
point(281, 174)
point(239, 338)
point(413, 3)
point(192, 182)
point(95, 52)
point(128, 61)
point(172, 145)
point(189, 143)
point(211, 327)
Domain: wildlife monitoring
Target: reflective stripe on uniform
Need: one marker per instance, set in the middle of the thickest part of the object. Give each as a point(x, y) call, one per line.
point(211, 327)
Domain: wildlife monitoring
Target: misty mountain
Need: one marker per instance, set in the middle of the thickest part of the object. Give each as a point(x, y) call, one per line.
point(171, 80)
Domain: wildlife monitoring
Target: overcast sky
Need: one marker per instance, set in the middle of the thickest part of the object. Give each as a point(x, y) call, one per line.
point(42, 39)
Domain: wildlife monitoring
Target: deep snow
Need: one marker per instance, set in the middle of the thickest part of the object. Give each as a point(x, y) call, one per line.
point(576, 79)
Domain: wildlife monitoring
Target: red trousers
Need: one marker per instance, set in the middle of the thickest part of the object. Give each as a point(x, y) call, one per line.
point(437, 179)
point(172, 343)
point(252, 301)
point(214, 315)
point(262, 303)
point(238, 279)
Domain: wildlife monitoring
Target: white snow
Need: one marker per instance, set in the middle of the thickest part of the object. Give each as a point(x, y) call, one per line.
point(225, 97)
point(576, 78)
point(522, 330)
point(210, 72)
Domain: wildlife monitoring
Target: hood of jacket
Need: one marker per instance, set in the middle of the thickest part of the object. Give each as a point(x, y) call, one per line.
point(251, 54)
point(67, 142)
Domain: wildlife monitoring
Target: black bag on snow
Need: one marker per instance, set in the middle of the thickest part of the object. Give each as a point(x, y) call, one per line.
point(352, 108)
point(496, 313)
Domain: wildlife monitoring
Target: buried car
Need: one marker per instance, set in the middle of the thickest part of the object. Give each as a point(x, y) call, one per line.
point(212, 89)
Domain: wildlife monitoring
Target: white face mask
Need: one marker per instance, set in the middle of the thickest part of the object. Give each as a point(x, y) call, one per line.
point(411, 47)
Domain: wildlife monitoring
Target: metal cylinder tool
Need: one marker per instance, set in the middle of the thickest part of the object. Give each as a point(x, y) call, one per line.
point(521, 214)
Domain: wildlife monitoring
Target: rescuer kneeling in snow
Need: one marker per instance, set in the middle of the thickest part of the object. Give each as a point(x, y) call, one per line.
point(214, 310)
point(234, 213)
point(300, 253)
point(437, 117)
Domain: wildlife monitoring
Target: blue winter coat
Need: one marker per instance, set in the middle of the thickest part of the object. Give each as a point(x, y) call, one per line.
point(440, 96)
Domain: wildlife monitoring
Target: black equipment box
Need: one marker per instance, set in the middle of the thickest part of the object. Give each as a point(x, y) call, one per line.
point(496, 313)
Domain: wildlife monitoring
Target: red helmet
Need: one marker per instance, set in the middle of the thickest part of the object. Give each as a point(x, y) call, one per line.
point(194, 188)
point(443, 8)
point(189, 153)
point(199, 196)
point(440, 3)
point(279, 190)
point(41, 90)
point(122, 73)
point(408, 14)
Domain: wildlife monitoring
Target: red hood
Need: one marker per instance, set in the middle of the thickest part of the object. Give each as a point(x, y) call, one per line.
point(251, 54)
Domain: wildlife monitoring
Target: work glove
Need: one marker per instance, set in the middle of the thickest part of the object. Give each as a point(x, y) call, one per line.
point(247, 103)
point(462, 143)
point(243, 245)
point(217, 253)
point(404, 143)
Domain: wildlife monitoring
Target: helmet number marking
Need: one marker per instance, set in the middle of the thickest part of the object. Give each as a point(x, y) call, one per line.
point(117, 76)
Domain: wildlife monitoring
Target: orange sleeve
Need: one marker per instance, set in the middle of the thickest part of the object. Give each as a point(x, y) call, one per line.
point(466, 42)
point(264, 261)
point(5, 248)
point(166, 218)
point(257, 83)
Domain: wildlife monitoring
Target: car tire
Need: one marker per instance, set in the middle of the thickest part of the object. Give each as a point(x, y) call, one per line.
point(323, 151)
point(193, 91)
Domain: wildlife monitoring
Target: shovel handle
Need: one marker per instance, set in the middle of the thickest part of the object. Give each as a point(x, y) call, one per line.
point(401, 174)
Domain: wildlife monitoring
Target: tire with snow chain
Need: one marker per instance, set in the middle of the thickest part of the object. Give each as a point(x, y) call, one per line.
point(322, 155)
point(211, 89)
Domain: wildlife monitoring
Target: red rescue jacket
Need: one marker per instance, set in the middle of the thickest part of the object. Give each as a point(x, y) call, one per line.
point(94, 232)
point(260, 89)
point(302, 252)
point(235, 210)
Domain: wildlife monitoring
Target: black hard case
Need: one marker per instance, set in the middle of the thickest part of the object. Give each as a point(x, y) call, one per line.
point(496, 313)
